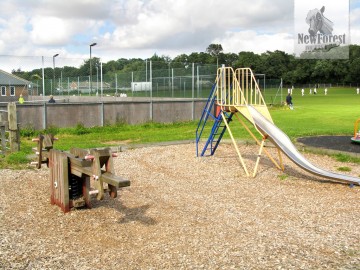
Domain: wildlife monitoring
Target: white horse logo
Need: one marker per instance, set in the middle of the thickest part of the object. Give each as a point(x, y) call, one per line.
point(318, 22)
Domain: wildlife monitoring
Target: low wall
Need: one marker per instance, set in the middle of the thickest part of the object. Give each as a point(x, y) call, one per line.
point(69, 113)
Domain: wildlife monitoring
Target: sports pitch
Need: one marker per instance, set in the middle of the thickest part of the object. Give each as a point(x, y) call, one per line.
point(320, 114)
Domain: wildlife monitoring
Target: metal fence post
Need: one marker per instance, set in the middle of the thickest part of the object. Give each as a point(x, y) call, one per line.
point(102, 113)
point(151, 94)
point(193, 96)
point(44, 116)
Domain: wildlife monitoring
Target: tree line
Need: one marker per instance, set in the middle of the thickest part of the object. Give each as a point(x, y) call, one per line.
point(274, 64)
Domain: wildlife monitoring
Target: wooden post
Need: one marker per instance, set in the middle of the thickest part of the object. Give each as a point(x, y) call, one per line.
point(44, 144)
point(14, 137)
point(59, 179)
point(39, 151)
point(3, 124)
point(3, 138)
point(96, 170)
point(109, 166)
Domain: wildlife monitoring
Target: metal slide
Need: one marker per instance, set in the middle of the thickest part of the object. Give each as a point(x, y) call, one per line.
point(282, 141)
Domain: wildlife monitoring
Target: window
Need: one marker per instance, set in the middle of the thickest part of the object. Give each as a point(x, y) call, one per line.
point(12, 91)
point(3, 90)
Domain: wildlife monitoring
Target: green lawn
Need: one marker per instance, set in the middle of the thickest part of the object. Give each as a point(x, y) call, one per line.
point(333, 114)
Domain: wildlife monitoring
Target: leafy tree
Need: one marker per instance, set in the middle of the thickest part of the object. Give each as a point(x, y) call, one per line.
point(200, 58)
point(322, 71)
point(111, 66)
point(160, 62)
point(354, 70)
point(215, 50)
point(275, 64)
point(183, 59)
point(68, 71)
point(248, 59)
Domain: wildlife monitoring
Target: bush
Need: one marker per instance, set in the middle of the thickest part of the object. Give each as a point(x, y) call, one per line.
point(28, 132)
point(80, 129)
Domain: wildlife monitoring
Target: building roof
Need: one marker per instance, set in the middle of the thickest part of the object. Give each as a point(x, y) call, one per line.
point(11, 79)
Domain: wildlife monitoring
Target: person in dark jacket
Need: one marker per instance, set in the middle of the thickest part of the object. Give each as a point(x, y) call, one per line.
point(289, 101)
point(51, 100)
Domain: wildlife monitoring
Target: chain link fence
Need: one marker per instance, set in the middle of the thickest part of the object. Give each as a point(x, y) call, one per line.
point(68, 76)
point(61, 76)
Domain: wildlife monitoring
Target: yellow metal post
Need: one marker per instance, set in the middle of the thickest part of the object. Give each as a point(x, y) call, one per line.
point(259, 155)
point(235, 144)
point(279, 166)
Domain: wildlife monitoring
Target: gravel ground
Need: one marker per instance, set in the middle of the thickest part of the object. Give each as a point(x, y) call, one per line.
point(184, 212)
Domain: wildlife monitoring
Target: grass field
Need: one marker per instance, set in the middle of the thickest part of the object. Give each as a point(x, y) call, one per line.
point(333, 114)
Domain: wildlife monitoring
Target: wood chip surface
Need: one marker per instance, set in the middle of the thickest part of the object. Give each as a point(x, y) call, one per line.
point(185, 212)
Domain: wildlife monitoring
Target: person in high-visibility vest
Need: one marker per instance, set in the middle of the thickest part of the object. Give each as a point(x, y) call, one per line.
point(21, 99)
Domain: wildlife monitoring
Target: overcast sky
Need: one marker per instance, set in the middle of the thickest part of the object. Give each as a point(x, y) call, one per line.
point(141, 28)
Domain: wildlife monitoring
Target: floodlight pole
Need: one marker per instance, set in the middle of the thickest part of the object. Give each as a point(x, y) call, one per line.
point(97, 79)
point(54, 72)
point(91, 45)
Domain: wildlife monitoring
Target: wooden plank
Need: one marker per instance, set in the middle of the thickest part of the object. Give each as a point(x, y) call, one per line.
point(80, 171)
point(52, 178)
point(59, 180)
point(105, 152)
point(79, 152)
point(79, 161)
point(65, 183)
point(115, 180)
point(86, 190)
point(96, 172)
point(48, 141)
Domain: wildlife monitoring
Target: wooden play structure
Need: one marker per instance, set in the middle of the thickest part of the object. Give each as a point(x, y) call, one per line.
point(236, 95)
point(78, 174)
point(45, 142)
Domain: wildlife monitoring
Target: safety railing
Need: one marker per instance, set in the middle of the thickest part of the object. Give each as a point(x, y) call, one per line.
point(249, 86)
point(237, 88)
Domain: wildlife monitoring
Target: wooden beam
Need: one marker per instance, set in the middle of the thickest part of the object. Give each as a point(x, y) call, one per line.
point(115, 180)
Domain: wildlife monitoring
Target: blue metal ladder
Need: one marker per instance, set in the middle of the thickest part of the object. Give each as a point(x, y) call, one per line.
point(217, 132)
point(218, 129)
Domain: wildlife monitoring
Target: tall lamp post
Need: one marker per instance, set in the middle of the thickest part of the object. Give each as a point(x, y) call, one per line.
point(54, 72)
point(97, 79)
point(91, 45)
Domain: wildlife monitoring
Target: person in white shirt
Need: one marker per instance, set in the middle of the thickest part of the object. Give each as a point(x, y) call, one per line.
point(302, 92)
